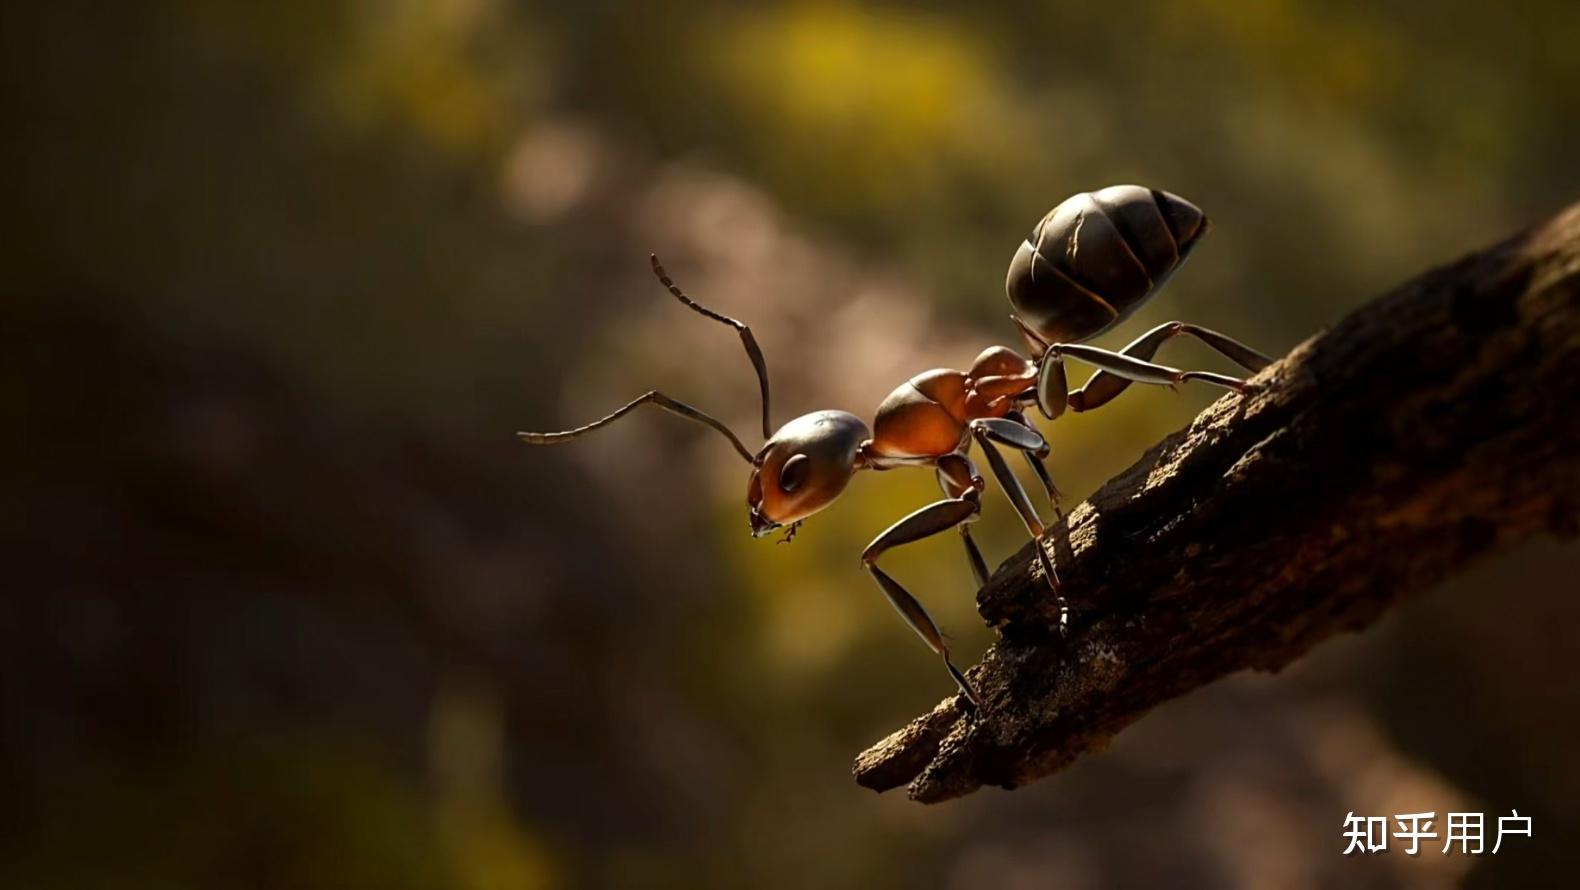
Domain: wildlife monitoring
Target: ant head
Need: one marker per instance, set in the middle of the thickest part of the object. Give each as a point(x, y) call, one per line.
point(803, 468)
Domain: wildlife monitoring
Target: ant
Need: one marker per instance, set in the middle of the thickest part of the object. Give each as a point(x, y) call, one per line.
point(1088, 264)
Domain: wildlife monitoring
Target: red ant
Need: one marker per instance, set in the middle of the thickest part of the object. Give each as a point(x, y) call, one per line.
point(1088, 264)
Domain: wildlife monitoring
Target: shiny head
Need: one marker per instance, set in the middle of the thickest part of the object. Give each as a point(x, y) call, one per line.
point(803, 468)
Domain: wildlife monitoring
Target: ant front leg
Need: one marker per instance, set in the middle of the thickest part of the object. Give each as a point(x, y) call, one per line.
point(991, 430)
point(1104, 386)
point(929, 520)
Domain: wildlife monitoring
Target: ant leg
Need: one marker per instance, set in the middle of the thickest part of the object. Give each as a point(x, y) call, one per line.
point(958, 477)
point(656, 398)
point(929, 520)
point(1036, 463)
point(1104, 386)
point(1141, 371)
point(1053, 386)
point(990, 430)
point(979, 569)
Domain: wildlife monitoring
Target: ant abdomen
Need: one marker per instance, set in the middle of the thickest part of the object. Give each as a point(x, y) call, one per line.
point(1098, 256)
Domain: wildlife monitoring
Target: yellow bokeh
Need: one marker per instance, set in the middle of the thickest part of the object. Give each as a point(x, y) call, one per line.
point(410, 62)
point(838, 97)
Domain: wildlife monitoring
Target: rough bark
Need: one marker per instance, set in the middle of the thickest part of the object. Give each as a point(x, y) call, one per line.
point(1429, 428)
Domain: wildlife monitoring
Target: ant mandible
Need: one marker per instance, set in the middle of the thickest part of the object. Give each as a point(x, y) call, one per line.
point(1088, 264)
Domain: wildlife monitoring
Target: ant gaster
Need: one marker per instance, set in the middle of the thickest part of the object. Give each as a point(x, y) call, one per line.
point(1088, 264)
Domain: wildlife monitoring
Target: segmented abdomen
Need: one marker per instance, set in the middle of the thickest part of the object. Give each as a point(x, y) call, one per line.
point(1097, 256)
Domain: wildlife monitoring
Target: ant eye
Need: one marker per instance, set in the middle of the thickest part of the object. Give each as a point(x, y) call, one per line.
point(794, 472)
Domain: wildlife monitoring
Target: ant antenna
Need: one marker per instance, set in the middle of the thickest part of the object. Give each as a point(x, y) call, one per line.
point(657, 398)
point(747, 340)
point(671, 405)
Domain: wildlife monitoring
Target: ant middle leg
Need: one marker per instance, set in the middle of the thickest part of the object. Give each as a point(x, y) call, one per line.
point(991, 432)
point(1104, 386)
point(1036, 462)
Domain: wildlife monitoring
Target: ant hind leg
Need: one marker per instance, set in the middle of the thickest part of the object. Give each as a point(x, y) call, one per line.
point(1104, 386)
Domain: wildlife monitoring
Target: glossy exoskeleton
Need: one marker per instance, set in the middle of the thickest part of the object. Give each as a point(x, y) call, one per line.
point(1086, 266)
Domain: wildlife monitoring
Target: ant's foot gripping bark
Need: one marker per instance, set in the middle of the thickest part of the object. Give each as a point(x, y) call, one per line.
point(971, 705)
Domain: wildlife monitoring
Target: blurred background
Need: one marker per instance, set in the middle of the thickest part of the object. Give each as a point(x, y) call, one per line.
point(288, 605)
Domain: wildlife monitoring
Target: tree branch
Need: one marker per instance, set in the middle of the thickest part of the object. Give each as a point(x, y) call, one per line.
point(1429, 428)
